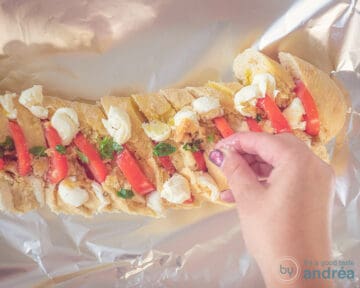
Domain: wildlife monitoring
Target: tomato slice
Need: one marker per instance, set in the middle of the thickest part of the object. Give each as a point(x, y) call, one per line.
point(311, 112)
point(58, 168)
point(133, 173)
point(190, 200)
point(200, 160)
point(95, 164)
point(2, 163)
point(22, 151)
point(277, 119)
point(253, 125)
point(223, 126)
point(166, 163)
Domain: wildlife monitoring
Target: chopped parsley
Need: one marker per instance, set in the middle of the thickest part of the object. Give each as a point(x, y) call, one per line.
point(125, 193)
point(258, 117)
point(193, 146)
point(210, 138)
point(83, 158)
point(38, 151)
point(8, 144)
point(61, 149)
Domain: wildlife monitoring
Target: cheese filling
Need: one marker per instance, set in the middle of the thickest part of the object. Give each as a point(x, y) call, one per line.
point(294, 114)
point(71, 193)
point(245, 100)
point(65, 121)
point(207, 107)
point(118, 125)
point(32, 99)
point(176, 189)
point(157, 130)
point(7, 102)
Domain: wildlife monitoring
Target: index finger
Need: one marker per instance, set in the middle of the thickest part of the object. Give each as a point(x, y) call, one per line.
point(271, 148)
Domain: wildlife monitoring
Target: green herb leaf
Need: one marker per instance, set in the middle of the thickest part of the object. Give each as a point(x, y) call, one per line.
point(61, 149)
point(8, 144)
point(117, 147)
point(83, 158)
point(163, 149)
point(38, 151)
point(107, 148)
point(210, 138)
point(193, 146)
point(258, 117)
point(125, 193)
point(1, 152)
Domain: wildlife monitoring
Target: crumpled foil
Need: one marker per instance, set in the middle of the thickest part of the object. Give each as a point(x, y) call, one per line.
point(86, 49)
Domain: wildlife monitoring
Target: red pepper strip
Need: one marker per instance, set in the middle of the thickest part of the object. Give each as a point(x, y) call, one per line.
point(223, 126)
point(190, 200)
point(133, 173)
point(253, 125)
point(22, 152)
point(2, 164)
point(58, 168)
point(278, 121)
point(166, 163)
point(96, 166)
point(200, 160)
point(311, 112)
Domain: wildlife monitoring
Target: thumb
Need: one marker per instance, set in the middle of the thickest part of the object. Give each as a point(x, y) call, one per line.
point(241, 178)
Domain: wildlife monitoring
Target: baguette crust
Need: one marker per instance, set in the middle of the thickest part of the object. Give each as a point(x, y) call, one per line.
point(328, 97)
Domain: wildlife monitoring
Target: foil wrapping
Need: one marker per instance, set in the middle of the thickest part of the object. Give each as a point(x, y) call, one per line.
point(86, 49)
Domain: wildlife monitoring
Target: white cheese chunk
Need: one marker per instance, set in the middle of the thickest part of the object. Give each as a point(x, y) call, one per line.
point(294, 113)
point(206, 182)
point(245, 100)
point(96, 187)
point(266, 83)
point(185, 113)
point(71, 193)
point(153, 201)
point(176, 189)
point(207, 107)
point(7, 102)
point(32, 99)
point(65, 121)
point(118, 124)
point(157, 130)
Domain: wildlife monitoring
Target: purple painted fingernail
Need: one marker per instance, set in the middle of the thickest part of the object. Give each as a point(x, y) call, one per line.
point(217, 157)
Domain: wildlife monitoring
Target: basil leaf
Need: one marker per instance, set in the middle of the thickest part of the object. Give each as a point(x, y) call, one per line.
point(8, 144)
point(38, 151)
point(125, 193)
point(61, 149)
point(193, 146)
point(107, 148)
point(258, 117)
point(210, 138)
point(163, 149)
point(83, 158)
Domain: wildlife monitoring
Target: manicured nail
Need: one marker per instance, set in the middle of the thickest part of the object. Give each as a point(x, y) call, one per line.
point(227, 196)
point(217, 157)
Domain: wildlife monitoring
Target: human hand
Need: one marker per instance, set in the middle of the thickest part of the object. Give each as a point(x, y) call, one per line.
point(283, 194)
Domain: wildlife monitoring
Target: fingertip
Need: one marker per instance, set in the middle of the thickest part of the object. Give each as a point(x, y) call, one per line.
point(227, 196)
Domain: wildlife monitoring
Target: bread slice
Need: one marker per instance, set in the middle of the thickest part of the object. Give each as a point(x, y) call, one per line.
point(23, 194)
point(328, 97)
point(89, 117)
